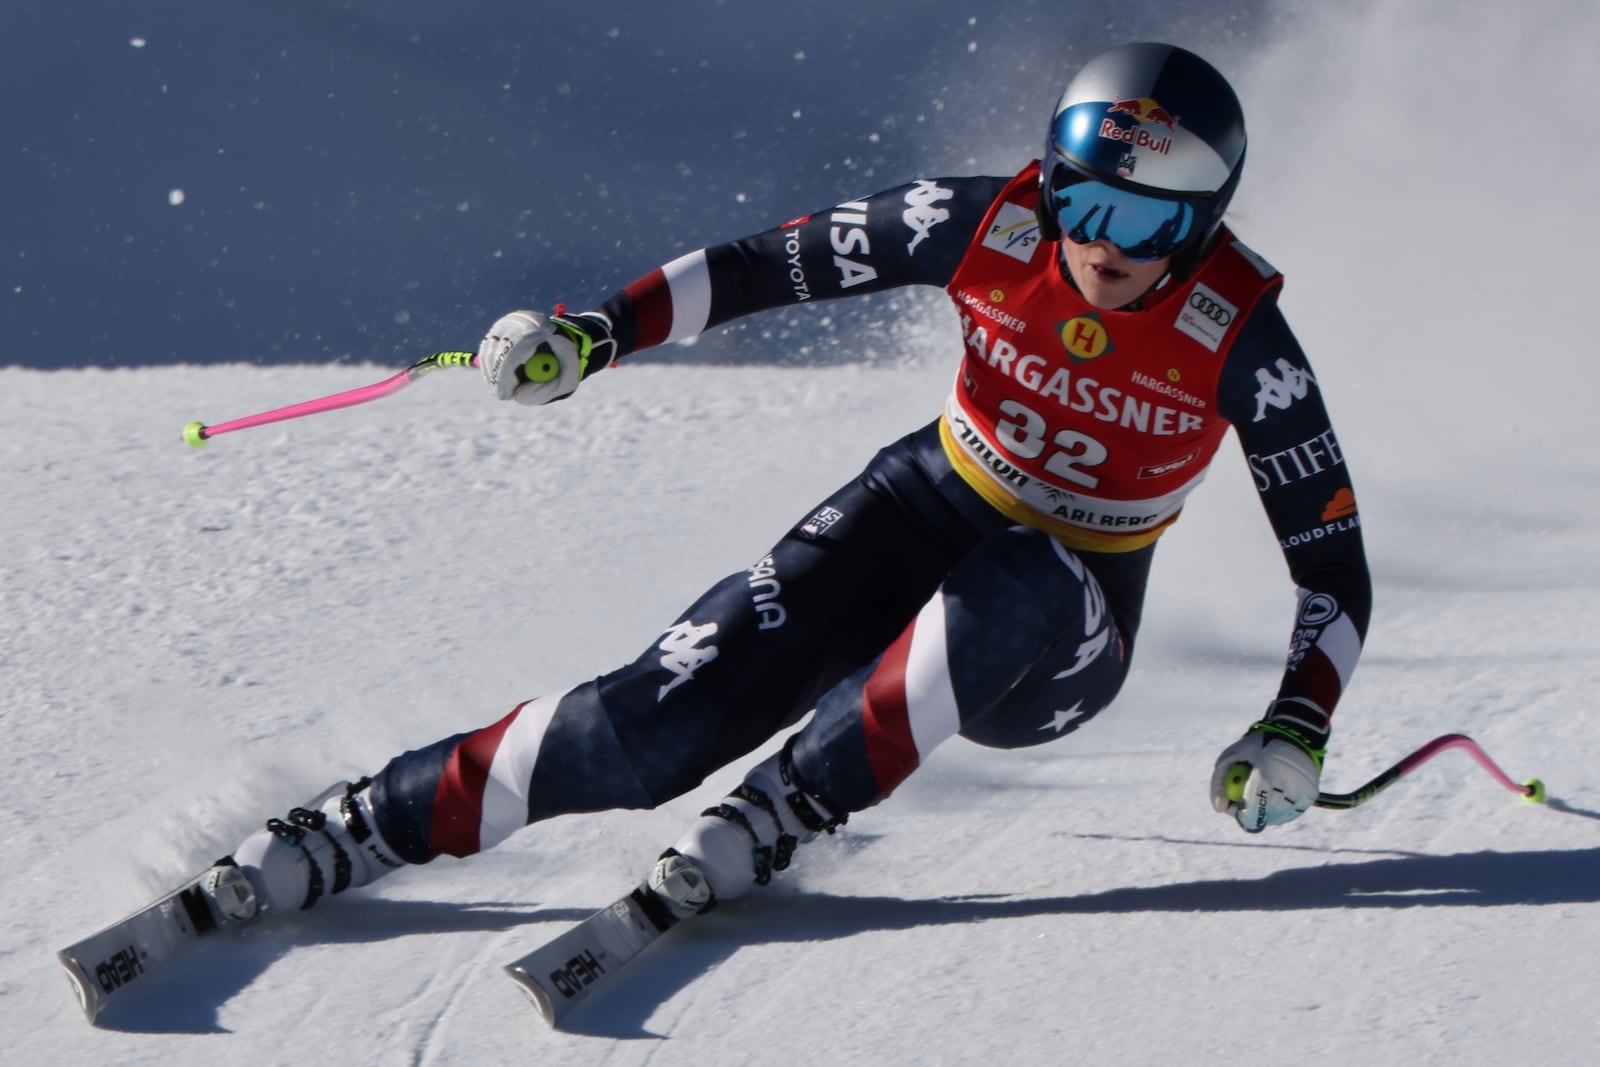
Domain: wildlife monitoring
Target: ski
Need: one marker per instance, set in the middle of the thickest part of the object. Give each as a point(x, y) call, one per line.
point(128, 953)
point(562, 973)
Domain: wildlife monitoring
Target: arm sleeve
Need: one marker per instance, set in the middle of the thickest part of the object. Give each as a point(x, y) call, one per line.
point(1269, 393)
point(915, 234)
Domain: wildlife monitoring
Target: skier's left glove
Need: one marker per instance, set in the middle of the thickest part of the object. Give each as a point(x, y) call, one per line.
point(534, 358)
point(1270, 775)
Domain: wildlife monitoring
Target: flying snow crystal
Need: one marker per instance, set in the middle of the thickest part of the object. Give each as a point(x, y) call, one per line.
point(175, 197)
point(136, 42)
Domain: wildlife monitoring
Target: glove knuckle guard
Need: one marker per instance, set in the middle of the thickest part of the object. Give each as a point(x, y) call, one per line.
point(1283, 781)
point(511, 342)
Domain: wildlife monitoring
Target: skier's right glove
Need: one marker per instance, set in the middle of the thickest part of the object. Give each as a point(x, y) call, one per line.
point(534, 358)
point(1269, 776)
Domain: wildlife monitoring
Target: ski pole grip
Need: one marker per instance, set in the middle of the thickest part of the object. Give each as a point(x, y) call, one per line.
point(1233, 783)
point(543, 366)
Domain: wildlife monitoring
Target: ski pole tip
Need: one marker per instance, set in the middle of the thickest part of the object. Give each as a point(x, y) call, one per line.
point(195, 435)
point(1535, 791)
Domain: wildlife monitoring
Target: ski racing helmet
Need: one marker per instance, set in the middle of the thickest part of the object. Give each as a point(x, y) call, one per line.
point(1145, 150)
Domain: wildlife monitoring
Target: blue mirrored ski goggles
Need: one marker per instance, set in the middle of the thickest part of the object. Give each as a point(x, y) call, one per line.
point(1142, 227)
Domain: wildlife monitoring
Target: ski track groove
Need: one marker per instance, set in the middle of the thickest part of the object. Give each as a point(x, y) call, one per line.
point(430, 1048)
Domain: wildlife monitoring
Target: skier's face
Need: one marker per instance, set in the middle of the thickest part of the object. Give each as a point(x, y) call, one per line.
point(1107, 278)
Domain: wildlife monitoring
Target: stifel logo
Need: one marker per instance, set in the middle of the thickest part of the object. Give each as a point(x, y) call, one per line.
point(1084, 337)
point(1341, 506)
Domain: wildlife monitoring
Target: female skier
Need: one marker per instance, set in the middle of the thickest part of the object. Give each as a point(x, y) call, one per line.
point(984, 575)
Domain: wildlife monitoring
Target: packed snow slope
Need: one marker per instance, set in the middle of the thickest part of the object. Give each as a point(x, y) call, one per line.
point(196, 640)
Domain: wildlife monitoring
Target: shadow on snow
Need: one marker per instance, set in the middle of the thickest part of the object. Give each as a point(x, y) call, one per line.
point(189, 1001)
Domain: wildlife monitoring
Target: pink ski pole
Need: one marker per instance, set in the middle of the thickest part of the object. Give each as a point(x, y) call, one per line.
point(1531, 790)
point(197, 433)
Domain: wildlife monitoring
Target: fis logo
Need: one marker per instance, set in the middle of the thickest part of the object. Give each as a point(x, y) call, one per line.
point(1014, 232)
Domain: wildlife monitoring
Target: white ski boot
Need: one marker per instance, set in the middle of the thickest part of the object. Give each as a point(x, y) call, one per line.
point(325, 848)
point(739, 843)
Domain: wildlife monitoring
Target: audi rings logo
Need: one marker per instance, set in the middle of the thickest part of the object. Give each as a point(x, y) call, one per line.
point(1205, 316)
point(1210, 308)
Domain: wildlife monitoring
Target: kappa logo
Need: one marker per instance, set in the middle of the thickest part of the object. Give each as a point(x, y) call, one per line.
point(1014, 232)
point(921, 215)
point(1280, 391)
point(684, 655)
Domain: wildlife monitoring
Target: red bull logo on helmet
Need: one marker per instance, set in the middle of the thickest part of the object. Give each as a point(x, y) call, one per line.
point(1144, 112)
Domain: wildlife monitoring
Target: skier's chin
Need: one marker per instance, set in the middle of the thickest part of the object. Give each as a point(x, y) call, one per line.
point(1106, 278)
point(1109, 288)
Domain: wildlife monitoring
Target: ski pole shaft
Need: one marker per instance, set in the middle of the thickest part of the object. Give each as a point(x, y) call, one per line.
point(196, 433)
point(1531, 790)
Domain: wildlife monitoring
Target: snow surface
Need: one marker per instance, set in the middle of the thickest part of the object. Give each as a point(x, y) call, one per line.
point(196, 640)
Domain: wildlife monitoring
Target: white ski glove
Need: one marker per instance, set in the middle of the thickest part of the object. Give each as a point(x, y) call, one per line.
point(1267, 777)
point(534, 358)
